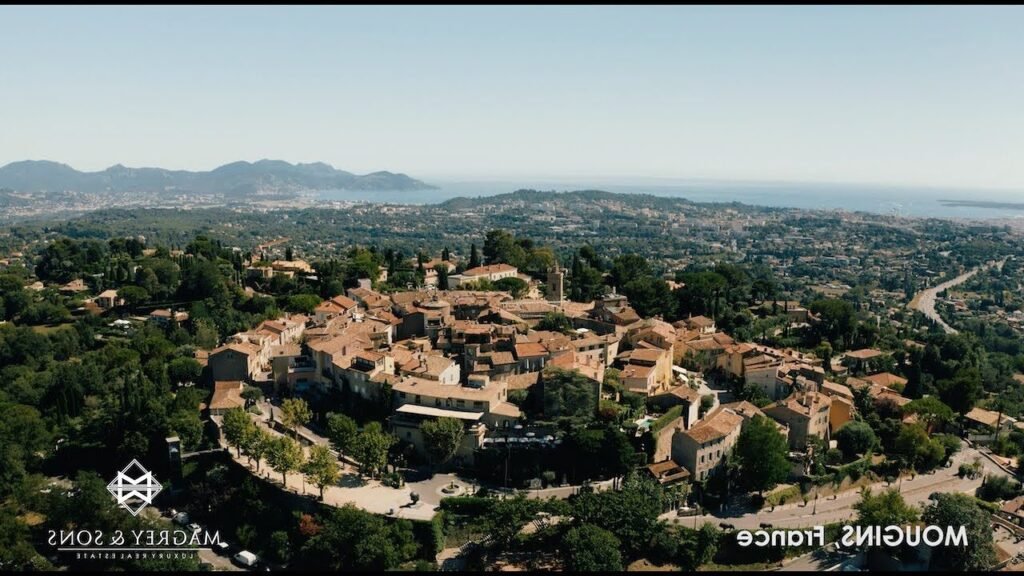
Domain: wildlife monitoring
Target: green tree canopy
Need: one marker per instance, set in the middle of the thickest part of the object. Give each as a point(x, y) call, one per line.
point(956, 510)
point(761, 455)
point(855, 438)
point(887, 508)
point(442, 437)
point(589, 548)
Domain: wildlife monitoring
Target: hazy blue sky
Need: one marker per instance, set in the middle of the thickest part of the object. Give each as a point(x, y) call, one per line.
point(915, 95)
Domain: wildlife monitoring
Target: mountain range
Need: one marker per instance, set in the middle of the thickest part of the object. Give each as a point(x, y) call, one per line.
point(237, 179)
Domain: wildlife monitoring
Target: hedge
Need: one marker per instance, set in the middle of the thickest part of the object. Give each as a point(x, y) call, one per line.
point(666, 418)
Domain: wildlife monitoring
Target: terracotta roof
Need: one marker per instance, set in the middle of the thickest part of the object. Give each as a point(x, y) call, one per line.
point(833, 389)
point(744, 408)
point(719, 424)
point(246, 348)
point(522, 381)
point(668, 471)
point(506, 409)
point(795, 403)
point(886, 379)
point(700, 321)
point(434, 389)
point(986, 417)
point(646, 354)
point(499, 358)
point(864, 354)
point(226, 394)
point(684, 392)
point(637, 371)
point(490, 269)
point(530, 350)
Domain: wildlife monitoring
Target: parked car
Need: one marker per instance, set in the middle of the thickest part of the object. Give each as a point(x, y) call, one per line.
point(726, 526)
point(247, 559)
point(765, 525)
point(193, 527)
point(181, 518)
point(222, 548)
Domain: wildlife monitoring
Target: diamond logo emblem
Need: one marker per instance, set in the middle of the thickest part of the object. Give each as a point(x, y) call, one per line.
point(134, 487)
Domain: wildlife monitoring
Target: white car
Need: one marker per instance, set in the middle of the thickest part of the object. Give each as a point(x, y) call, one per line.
point(247, 559)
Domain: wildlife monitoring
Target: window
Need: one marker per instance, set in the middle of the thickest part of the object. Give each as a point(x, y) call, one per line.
point(437, 401)
point(447, 401)
point(417, 398)
point(408, 434)
point(461, 403)
point(477, 404)
point(401, 395)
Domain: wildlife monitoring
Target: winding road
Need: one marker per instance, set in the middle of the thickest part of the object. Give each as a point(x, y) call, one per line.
point(915, 490)
point(924, 301)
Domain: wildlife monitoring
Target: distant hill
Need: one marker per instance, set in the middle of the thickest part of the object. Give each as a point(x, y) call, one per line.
point(264, 177)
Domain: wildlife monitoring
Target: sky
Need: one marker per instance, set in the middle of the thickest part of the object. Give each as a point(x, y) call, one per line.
point(930, 96)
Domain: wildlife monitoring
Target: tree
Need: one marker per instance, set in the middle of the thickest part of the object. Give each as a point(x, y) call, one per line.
point(352, 539)
point(916, 448)
point(184, 369)
point(517, 287)
point(189, 428)
point(442, 437)
point(837, 320)
point(442, 276)
point(956, 510)
point(507, 517)
point(500, 246)
point(931, 412)
point(206, 336)
point(631, 514)
point(474, 256)
point(997, 487)
point(294, 413)
point(855, 438)
point(555, 322)
point(962, 391)
point(761, 455)
point(627, 268)
point(133, 295)
point(257, 443)
point(650, 296)
point(341, 431)
point(824, 351)
point(589, 548)
point(886, 508)
point(284, 455)
point(236, 424)
point(371, 448)
point(321, 468)
point(361, 263)
point(251, 395)
point(700, 292)
point(568, 393)
point(302, 303)
point(280, 548)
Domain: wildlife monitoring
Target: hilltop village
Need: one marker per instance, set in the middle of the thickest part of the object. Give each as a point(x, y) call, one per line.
point(515, 403)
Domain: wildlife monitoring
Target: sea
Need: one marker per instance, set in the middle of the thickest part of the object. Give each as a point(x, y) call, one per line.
point(877, 199)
